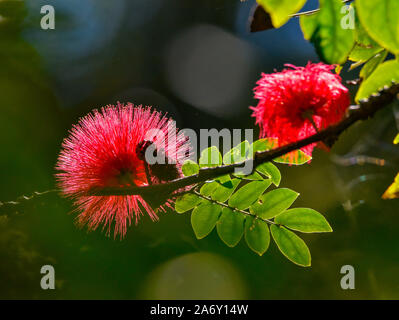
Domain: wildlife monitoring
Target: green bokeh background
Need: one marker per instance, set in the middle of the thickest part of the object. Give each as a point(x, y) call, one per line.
point(163, 260)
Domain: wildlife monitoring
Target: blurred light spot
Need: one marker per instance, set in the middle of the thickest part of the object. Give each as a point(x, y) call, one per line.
point(85, 248)
point(209, 69)
point(348, 205)
point(195, 276)
point(74, 50)
point(358, 160)
point(81, 27)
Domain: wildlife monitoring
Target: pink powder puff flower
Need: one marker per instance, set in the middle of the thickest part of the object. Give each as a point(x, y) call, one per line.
point(298, 102)
point(105, 149)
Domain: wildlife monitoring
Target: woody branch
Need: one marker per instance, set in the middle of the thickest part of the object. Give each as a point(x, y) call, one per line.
point(366, 109)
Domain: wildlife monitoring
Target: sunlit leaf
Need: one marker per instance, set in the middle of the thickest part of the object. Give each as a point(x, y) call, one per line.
point(396, 140)
point(303, 220)
point(270, 170)
point(248, 194)
point(257, 235)
point(381, 21)
point(291, 246)
point(296, 157)
point(237, 154)
point(333, 43)
point(309, 25)
point(230, 227)
point(393, 191)
point(190, 168)
point(372, 64)
point(224, 190)
point(365, 47)
point(204, 218)
point(254, 176)
point(264, 144)
point(186, 202)
point(280, 10)
point(210, 157)
point(382, 76)
point(274, 202)
point(208, 188)
point(364, 53)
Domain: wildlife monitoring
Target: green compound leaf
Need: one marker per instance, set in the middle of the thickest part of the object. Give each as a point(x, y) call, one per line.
point(248, 194)
point(280, 10)
point(291, 246)
point(274, 203)
point(257, 235)
point(382, 76)
point(303, 220)
point(230, 227)
point(204, 218)
point(372, 64)
point(210, 157)
point(381, 21)
point(333, 43)
point(270, 170)
point(186, 202)
point(190, 168)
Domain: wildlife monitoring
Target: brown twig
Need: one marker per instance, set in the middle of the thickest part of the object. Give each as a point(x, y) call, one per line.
point(24, 198)
point(367, 108)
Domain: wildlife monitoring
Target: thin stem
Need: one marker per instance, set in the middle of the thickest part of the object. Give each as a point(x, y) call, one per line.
point(23, 198)
point(232, 208)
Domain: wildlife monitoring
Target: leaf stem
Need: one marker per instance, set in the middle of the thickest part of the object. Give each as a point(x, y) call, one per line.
point(24, 198)
point(232, 208)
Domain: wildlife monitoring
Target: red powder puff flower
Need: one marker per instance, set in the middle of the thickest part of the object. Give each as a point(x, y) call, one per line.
point(298, 102)
point(106, 149)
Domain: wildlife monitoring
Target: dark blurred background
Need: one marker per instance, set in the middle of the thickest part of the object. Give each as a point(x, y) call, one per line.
point(197, 61)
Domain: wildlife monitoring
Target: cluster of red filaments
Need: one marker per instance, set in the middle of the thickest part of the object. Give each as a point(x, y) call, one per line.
point(298, 102)
point(106, 149)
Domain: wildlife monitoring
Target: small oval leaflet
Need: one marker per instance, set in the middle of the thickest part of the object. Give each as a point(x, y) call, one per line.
point(257, 235)
point(290, 245)
point(204, 218)
point(303, 220)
